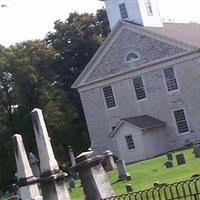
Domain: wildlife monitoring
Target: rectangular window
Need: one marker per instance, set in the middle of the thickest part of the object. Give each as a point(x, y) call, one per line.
point(148, 7)
point(181, 121)
point(129, 141)
point(109, 97)
point(123, 11)
point(139, 88)
point(170, 79)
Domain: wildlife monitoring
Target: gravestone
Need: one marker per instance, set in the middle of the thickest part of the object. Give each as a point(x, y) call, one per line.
point(169, 156)
point(196, 150)
point(73, 162)
point(122, 173)
point(27, 182)
point(169, 164)
point(129, 188)
point(71, 184)
point(108, 162)
point(180, 158)
point(52, 178)
point(34, 163)
point(93, 177)
point(71, 156)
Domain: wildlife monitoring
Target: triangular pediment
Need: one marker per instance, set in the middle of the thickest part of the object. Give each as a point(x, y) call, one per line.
point(110, 59)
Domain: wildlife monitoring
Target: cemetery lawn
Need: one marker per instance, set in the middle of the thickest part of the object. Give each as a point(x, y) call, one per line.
point(145, 173)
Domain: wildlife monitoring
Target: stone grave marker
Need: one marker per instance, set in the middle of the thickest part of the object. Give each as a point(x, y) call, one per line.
point(71, 184)
point(93, 177)
point(196, 150)
point(122, 173)
point(73, 162)
point(71, 156)
point(108, 162)
point(169, 156)
point(26, 181)
point(34, 163)
point(180, 158)
point(52, 178)
point(129, 188)
point(169, 164)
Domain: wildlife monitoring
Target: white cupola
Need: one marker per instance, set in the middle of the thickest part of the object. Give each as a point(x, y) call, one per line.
point(143, 12)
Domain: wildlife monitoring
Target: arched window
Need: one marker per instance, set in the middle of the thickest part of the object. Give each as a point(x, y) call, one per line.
point(131, 56)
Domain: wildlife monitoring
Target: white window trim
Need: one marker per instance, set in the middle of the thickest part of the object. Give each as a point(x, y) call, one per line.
point(105, 104)
point(176, 127)
point(165, 82)
point(144, 99)
point(131, 59)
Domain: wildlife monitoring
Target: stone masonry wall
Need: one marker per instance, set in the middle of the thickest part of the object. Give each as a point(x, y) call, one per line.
point(148, 50)
point(159, 104)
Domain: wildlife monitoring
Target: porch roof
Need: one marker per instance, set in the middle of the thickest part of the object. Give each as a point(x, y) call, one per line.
point(143, 122)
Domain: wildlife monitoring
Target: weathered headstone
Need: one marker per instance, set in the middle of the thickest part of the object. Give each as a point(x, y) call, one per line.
point(196, 150)
point(52, 178)
point(93, 177)
point(129, 188)
point(71, 184)
point(72, 158)
point(169, 164)
point(73, 162)
point(122, 173)
point(180, 158)
point(27, 182)
point(169, 156)
point(108, 162)
point(34, 163)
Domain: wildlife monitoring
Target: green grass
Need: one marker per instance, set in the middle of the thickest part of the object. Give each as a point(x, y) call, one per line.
point(145, 173)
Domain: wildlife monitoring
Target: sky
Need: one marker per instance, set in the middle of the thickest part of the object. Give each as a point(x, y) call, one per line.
point(31, 19)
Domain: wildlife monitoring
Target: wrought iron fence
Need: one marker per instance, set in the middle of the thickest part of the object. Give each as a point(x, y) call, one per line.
point(183, 190)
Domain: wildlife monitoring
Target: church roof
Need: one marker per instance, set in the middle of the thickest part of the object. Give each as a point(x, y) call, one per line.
point(184, 32)
point(152, 47)
point(143, 122)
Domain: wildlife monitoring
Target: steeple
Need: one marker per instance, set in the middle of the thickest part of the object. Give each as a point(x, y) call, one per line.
point(143, 12)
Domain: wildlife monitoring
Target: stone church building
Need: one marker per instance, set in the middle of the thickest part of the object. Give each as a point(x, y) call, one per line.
point(141, 90)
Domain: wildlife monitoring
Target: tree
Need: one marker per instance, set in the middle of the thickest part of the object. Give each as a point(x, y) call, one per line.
point(39, 74)
point(7, 102)
point(76, 40)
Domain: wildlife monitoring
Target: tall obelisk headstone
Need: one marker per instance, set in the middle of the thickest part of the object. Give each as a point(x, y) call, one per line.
point(27, 182)
point(52, 184)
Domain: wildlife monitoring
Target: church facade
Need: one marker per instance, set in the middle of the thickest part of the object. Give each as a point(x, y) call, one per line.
point(140, 92)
